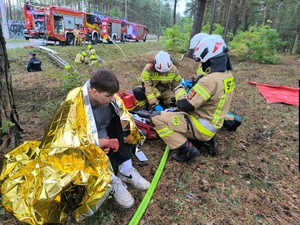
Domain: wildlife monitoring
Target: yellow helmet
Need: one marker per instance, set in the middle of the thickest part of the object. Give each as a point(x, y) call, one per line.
point(89, 47)
point(83, 53)
point(93, 57)
point(67, 66)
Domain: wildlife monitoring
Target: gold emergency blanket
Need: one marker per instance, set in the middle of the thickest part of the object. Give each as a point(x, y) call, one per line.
point(63, 175)
point(132, 135)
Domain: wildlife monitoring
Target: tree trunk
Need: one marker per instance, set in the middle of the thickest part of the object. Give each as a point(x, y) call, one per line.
point(246, 14)
point(265, 14)
point(277, 15)
point(295, 45)
point(224, 12)
point(219, 20)
point(199, 14)
point(237, 18)
point(212, 17)
point(227, 20)
point(10, 130)
point(174, 12)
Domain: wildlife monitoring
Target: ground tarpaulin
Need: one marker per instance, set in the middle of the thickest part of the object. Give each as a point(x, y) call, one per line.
point(277, 93)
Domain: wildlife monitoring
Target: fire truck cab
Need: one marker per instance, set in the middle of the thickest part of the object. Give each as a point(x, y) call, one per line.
point(35, 21)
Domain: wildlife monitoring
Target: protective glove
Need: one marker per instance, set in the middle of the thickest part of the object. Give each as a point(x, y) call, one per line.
point(186, 83)
point(158, 108)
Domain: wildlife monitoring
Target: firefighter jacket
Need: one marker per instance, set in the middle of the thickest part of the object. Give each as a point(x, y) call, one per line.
point(76, 33)
point(81, 59)
point(93, 51)
point(155, 82)
point(209, 99)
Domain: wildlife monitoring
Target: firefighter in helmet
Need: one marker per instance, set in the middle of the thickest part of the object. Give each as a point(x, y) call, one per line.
point(159, 78)
point(202, 109)
point(93, 56)
point(231, 121)
point(82, 58)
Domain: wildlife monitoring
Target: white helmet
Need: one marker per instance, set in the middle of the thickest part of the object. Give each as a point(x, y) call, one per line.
point(218, 38)
point(196, 39)
point(209, 48)
point(162, 62)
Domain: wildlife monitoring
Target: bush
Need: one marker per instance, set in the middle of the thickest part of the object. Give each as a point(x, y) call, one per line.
point(217, 29)
point(177, 38)
point(71, 79)
point(258, 43)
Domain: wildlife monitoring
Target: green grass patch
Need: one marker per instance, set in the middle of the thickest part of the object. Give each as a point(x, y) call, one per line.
point(18, 57)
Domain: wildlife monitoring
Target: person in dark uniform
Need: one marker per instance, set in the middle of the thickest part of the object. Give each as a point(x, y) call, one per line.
point(34, 64)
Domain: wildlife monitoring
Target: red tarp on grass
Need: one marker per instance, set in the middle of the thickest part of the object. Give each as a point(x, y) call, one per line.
point(274, 93)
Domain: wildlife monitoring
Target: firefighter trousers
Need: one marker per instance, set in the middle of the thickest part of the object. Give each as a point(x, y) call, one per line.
point(175, 128)
point(167, 97)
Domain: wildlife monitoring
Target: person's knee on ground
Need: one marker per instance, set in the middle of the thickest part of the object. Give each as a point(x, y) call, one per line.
point(140, 96)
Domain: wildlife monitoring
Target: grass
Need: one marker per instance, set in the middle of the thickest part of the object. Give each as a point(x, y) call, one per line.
point(18, 57)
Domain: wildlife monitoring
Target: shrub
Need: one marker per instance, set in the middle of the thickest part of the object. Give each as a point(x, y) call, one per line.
point(258, 43)
point(177, 38)
point(71, 80)
point(217, 29)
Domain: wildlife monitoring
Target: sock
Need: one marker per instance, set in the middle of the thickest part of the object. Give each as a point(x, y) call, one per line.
point(125, 166)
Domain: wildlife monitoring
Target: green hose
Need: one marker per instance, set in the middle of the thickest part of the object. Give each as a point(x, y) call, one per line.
point(143, 205)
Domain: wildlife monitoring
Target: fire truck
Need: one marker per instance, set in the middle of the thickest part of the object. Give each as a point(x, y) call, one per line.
point(113, 29)
point(136, 31)
point(60, 22)
point(35, 21)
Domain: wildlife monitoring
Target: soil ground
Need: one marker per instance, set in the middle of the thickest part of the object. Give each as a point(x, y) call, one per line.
point(253, 180)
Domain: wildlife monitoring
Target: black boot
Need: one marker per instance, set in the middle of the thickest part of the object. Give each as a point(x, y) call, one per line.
point(211, 146)
point(185, 152)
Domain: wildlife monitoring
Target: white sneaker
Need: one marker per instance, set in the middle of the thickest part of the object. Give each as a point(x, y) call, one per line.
point(121, 194)
point(132, 176)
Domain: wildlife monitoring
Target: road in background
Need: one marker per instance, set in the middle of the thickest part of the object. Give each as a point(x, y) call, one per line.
point(41, 42)
point(22, 43)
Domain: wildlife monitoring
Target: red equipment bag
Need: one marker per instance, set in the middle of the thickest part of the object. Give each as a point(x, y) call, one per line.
point(129, 100)
point(144, 124)
point(146, 129)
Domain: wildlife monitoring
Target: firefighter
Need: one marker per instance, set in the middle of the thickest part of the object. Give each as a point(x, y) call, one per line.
point(33, 64)
point(76, 34)
point(203, 108)
point(93, 56)
point(231, 121)
point(82, 35)
point(82, 58)
point(159, 78)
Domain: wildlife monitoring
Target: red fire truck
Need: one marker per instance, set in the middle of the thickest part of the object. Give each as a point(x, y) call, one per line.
point(35, 21)
point(113, 28)
point(60, 22)
point(136, 31)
